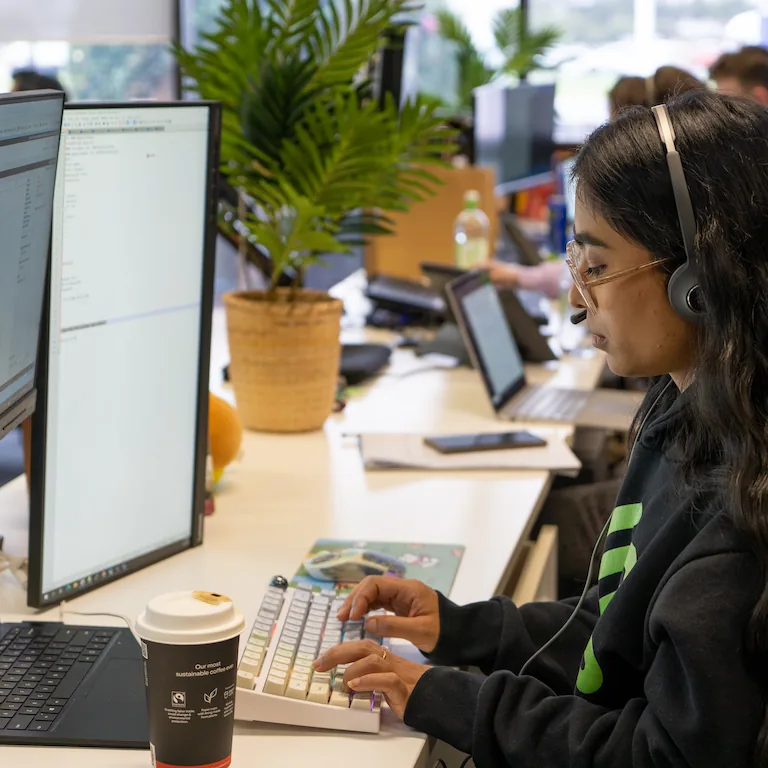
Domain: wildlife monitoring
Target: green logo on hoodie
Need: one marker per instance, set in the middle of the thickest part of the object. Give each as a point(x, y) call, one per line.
point(619, 559)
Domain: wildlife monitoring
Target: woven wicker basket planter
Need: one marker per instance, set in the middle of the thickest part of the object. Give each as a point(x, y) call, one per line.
point(284, 358)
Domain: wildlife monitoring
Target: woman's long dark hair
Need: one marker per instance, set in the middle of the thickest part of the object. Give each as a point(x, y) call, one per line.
point(623, 177)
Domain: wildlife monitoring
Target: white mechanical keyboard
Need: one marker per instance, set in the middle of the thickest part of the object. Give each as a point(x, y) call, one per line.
point(275, 679)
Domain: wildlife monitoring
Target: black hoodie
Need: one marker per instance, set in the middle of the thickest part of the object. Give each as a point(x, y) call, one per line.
point(653, 672)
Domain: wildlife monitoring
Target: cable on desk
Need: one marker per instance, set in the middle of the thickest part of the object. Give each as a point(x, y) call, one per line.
point(128, 622)
point(466, 761)
point(17, 566)
point(440, 764)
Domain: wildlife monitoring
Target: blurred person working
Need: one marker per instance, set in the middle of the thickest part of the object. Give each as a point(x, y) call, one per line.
point(660, 662)
point(744, 73)
point(659, 88)
point(29, 80)
point(551, 277)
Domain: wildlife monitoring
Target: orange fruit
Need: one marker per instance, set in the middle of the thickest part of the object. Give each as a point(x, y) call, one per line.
point(225, 434)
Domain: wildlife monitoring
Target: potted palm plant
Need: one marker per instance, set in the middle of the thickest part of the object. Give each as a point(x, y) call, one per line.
point(520, 49)
point(318, 164)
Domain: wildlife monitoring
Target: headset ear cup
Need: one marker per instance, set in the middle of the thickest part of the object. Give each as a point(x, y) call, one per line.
point(685, 294)
point(695, 301)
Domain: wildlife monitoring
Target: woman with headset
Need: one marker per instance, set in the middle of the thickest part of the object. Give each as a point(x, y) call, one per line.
point(663, 662)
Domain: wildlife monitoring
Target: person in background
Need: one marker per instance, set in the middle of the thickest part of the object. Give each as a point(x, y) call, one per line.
point(664, 660)
point(550, 276)
point(29, 80)
point(659, 88)
point(744, 73)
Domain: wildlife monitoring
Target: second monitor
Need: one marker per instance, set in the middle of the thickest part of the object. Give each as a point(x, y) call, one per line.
point(119, 441)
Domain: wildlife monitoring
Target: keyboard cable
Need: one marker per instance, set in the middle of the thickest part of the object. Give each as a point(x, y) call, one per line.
point(64, 610)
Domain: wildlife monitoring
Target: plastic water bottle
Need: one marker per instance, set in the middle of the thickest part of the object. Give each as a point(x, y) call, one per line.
point(472, 233)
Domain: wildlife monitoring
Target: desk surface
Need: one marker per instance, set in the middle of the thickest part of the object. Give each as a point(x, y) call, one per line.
point(290, 490)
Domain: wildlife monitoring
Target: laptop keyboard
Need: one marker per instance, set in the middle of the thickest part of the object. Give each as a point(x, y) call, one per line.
point(41, 667)
point(550, 404)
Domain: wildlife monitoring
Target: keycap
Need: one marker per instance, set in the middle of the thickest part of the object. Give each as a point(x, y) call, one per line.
point(339, 699)
point(46, 717)
point(72, 679)
point(19, 723)
point(303, 669)
point(297, 688)
point(319, 692)
point(361, 700)
point(245, 679)
point(252, 669)
point(275, 685)
point(39, 725)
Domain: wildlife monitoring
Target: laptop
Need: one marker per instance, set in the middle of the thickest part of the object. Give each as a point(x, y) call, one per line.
point(521, 309)
point(62, 685)
point(491, 344)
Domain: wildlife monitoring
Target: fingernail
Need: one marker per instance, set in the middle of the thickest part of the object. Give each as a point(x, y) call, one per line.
point(354, 605)
point(318, 662)
point(373, 626)
point(354, 683)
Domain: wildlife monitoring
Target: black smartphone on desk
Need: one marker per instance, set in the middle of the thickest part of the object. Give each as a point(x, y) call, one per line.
point(491, 441)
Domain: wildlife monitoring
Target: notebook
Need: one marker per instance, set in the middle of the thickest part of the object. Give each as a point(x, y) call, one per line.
point(406, 451)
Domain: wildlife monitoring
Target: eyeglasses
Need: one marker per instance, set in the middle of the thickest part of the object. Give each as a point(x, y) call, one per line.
point(575, 259)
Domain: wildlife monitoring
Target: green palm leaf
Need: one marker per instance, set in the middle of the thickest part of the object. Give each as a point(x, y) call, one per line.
point(473, 71)
point(320, 166)
point(520, 47)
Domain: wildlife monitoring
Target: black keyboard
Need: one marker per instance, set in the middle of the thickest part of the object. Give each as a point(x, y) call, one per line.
point(41, 667)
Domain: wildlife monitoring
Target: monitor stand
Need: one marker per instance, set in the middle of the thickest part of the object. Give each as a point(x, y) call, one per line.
point(447, 341)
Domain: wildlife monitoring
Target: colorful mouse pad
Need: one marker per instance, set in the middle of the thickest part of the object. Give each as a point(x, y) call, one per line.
point(434, 564)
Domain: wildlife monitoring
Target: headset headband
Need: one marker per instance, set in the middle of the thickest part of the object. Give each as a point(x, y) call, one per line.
point(679, 185)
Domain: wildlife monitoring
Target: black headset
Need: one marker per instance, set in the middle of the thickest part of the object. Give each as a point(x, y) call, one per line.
point(683, 288)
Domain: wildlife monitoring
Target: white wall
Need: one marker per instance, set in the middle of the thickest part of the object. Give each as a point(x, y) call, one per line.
point(86, 20)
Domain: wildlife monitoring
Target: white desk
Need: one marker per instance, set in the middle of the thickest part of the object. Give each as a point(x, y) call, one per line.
point(289, 491)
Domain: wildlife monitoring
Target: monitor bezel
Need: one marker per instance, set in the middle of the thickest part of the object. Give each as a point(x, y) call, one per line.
point(457, 292)
point(36, 597)
point(21, 405)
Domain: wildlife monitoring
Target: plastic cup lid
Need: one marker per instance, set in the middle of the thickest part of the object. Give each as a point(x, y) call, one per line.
point(190, 618)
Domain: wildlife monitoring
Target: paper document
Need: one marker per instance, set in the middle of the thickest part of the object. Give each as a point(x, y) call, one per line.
point(383, 451)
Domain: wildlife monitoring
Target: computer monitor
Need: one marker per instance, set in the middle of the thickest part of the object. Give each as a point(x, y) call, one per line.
point(513, 129)
point(30, 125)
point(119, 439)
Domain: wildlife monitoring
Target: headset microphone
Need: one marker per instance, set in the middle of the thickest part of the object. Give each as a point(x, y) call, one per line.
point(579, 317)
